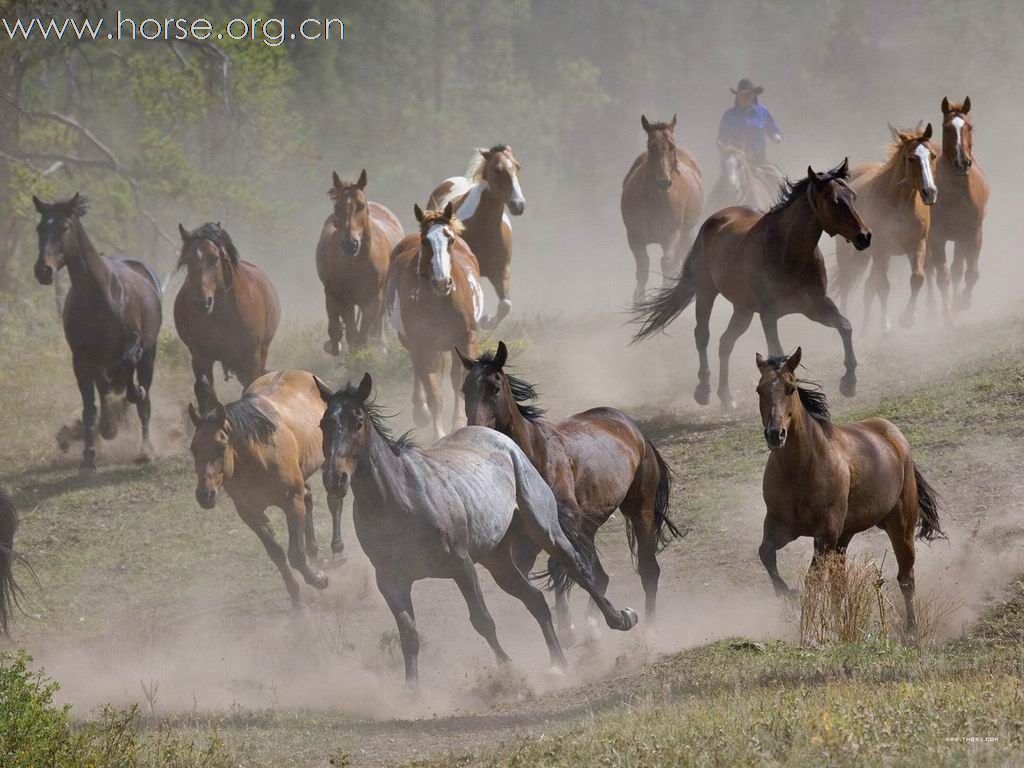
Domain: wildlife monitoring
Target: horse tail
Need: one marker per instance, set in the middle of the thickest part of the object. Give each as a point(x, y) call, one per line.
point(557, 576)
point(928, 527)
point(665, 530)
point(657, 311)
point(10, 592)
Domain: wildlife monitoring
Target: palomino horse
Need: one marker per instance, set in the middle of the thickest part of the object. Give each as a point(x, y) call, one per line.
point(895, 198)
point(9, 589)
point(831, 482)
point(740, 183)
point(662, 200)
point(595, 462)
point(433, 514)
point(262, 450)
point(352, 261)
point(491, 185)
point(959, 212)
point(226, 311)
point(112, 318)
point(767, 263)
point(434, 302)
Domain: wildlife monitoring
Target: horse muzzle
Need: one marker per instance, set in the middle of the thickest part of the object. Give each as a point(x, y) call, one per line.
point(204, 304)
point(929, 196)
point(775, 438)
point(862, 240)
point(44, 274)
point(516, 207)
point(206, 498)
point(962, 167)
point(444, 287)
point(350, 246)
point(664, 184)
point(336, 483)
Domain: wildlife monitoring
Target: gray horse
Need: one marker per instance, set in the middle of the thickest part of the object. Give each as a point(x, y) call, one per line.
point(434, 513)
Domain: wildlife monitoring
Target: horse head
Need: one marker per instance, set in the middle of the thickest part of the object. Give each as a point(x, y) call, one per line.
point(438, 231)
point(56, 232)
point(487, 392)
point(351, 212)
point(661, 150)
point(210, 258)
point(777, 396)
point(832, 201)
point(958, 135)
point(345, 425)
point(499, 170)
point(915, 153)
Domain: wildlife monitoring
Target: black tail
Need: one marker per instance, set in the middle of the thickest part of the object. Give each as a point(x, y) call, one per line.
point(667, 304)
point(557, 575)
point(928, 527)
point(850, 268)
point(10, 592)
point(664, 528)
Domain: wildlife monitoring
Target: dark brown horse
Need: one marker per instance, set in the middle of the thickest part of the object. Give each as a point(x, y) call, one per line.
point(959, 213)
point(832, 482)
point(352, 261)
point(595, 462)
point(480, 198)
point(434, 302)
point(262, 450)
point(10, 592)
point(227, 310)
point(662, 200)
point(895, 199)
point(767, 263)
point(112, 318)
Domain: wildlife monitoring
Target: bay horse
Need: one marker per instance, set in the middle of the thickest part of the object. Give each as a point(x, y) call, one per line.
point(262, 449)
point(767, 263)
point(434, 302)
point(740, 183)
point(959, 212)
point(481, 197)
point(352, 259)
point(895, 199)
point(595, 462)
point(226, 311)
point(10, 592)
point(662, 200)
point(831, 481)
point(112, 318)
point(435, 513)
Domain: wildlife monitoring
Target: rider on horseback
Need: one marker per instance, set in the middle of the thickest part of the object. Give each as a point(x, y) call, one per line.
point(746, 126)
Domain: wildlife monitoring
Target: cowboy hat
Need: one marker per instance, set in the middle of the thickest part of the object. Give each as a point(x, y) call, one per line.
point(745, 86)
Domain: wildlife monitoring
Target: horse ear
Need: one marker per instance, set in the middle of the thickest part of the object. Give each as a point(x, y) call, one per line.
point(844, 169)
point(467, 362)
point(449, 211)
point(220, 413)
point(484, 152)
point(362, 180)
point(794, 361)
point(672, 124)
point(501, 356)
point(39, 204)
point(323, 389)
point(183, 232)
point(417, 212)
point(927, 132)
point(646, 125)
point(967, 105)
point(336, 180)
point(893, 132)
point(945, 105)
point(193, 415)
point(365, 387)
point(811, 174)
point(761, 362)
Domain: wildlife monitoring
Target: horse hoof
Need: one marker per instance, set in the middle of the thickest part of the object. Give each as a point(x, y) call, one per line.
point(629, 619)
point(488, 322)
point(332, 348)
point(319, 580)
point(728, 406)
point(87, 469)
point(702, 394)
point(338, 548)
point(556, 671)
point(848, 386)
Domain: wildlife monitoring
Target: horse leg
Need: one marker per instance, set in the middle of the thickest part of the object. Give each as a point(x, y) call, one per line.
point(295, 514)
point(333, 344)
point(144, 407)
point(348, 319)
point(469, 584)
point(878, 281)
point(501, 288)
point(109, 418)
point(85, 374)
point(336, 504)
point(397, 594)
point(957, 274)
point(502, 564)
point(311, 548)
point(432, 391)
point(600, 577)
point(738, 324)
point(771, 334)
point(917, 259)
point(671, 260)
point(899, 526)
point(701, 336)
point(937, 260)
point(370, 322)
point(458, 376)
point(202, 371)
point(827, 313)
point(972, 252)
point(643, 267)
point(257, 521)
point(774, 538)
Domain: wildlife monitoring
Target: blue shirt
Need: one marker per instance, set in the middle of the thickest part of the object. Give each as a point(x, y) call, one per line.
point(747, 128)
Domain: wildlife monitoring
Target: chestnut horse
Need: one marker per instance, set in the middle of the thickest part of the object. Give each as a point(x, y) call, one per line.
point(895, 198)
point(262, 450)
point(112, 318)
point(352, 261)
point(227, 310)
point(480, 198)
point(767, 263)
point(959, 212)
point(595, 462)
point(740, 183)
point(662, 200)
point(434, 302)
point(832, 482)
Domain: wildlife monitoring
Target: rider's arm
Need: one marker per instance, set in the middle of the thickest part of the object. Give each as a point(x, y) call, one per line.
point(772, 128)
point(727, 128)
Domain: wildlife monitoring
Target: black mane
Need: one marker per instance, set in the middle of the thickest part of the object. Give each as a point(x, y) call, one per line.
point(377, 418)
point(791, 190)
point(216, 235)
point(812, 397)
point(522, 391)
point(248, 421)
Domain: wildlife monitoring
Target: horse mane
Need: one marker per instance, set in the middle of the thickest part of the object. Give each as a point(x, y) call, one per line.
point(792, 190)
point(378, 419)
point(248, 421)
point(522, 391)
point(956, 108)
point(345, 184)
point(216, 235)
point(433, 217)
point(812, 396)
point(475, 170)
point(902, 137)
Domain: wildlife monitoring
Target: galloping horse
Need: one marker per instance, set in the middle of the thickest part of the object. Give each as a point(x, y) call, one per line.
point(490, 185)
point(740, 183)
point(434, 302)
point(352, 259)
point(595, 462)
point(262, 450)
point(112, 318)
point(9, 589)
point(435, 513)
point(831, 482)
point(959, 212)
point(662, 199)
point(895, 198)
point(766, 263)
point(227, 310)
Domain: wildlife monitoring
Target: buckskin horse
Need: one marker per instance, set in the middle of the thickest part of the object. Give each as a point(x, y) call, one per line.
point(662, 200)
point(435, 513)
point(831, 481)
point(112, 318)
point(959, 212)
point(895, 199)
point(226, 311)
point(491, 185)
point(352, 259)
point(434, 301)
point(767, 263)
point(595, 462)
point(262, 450)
